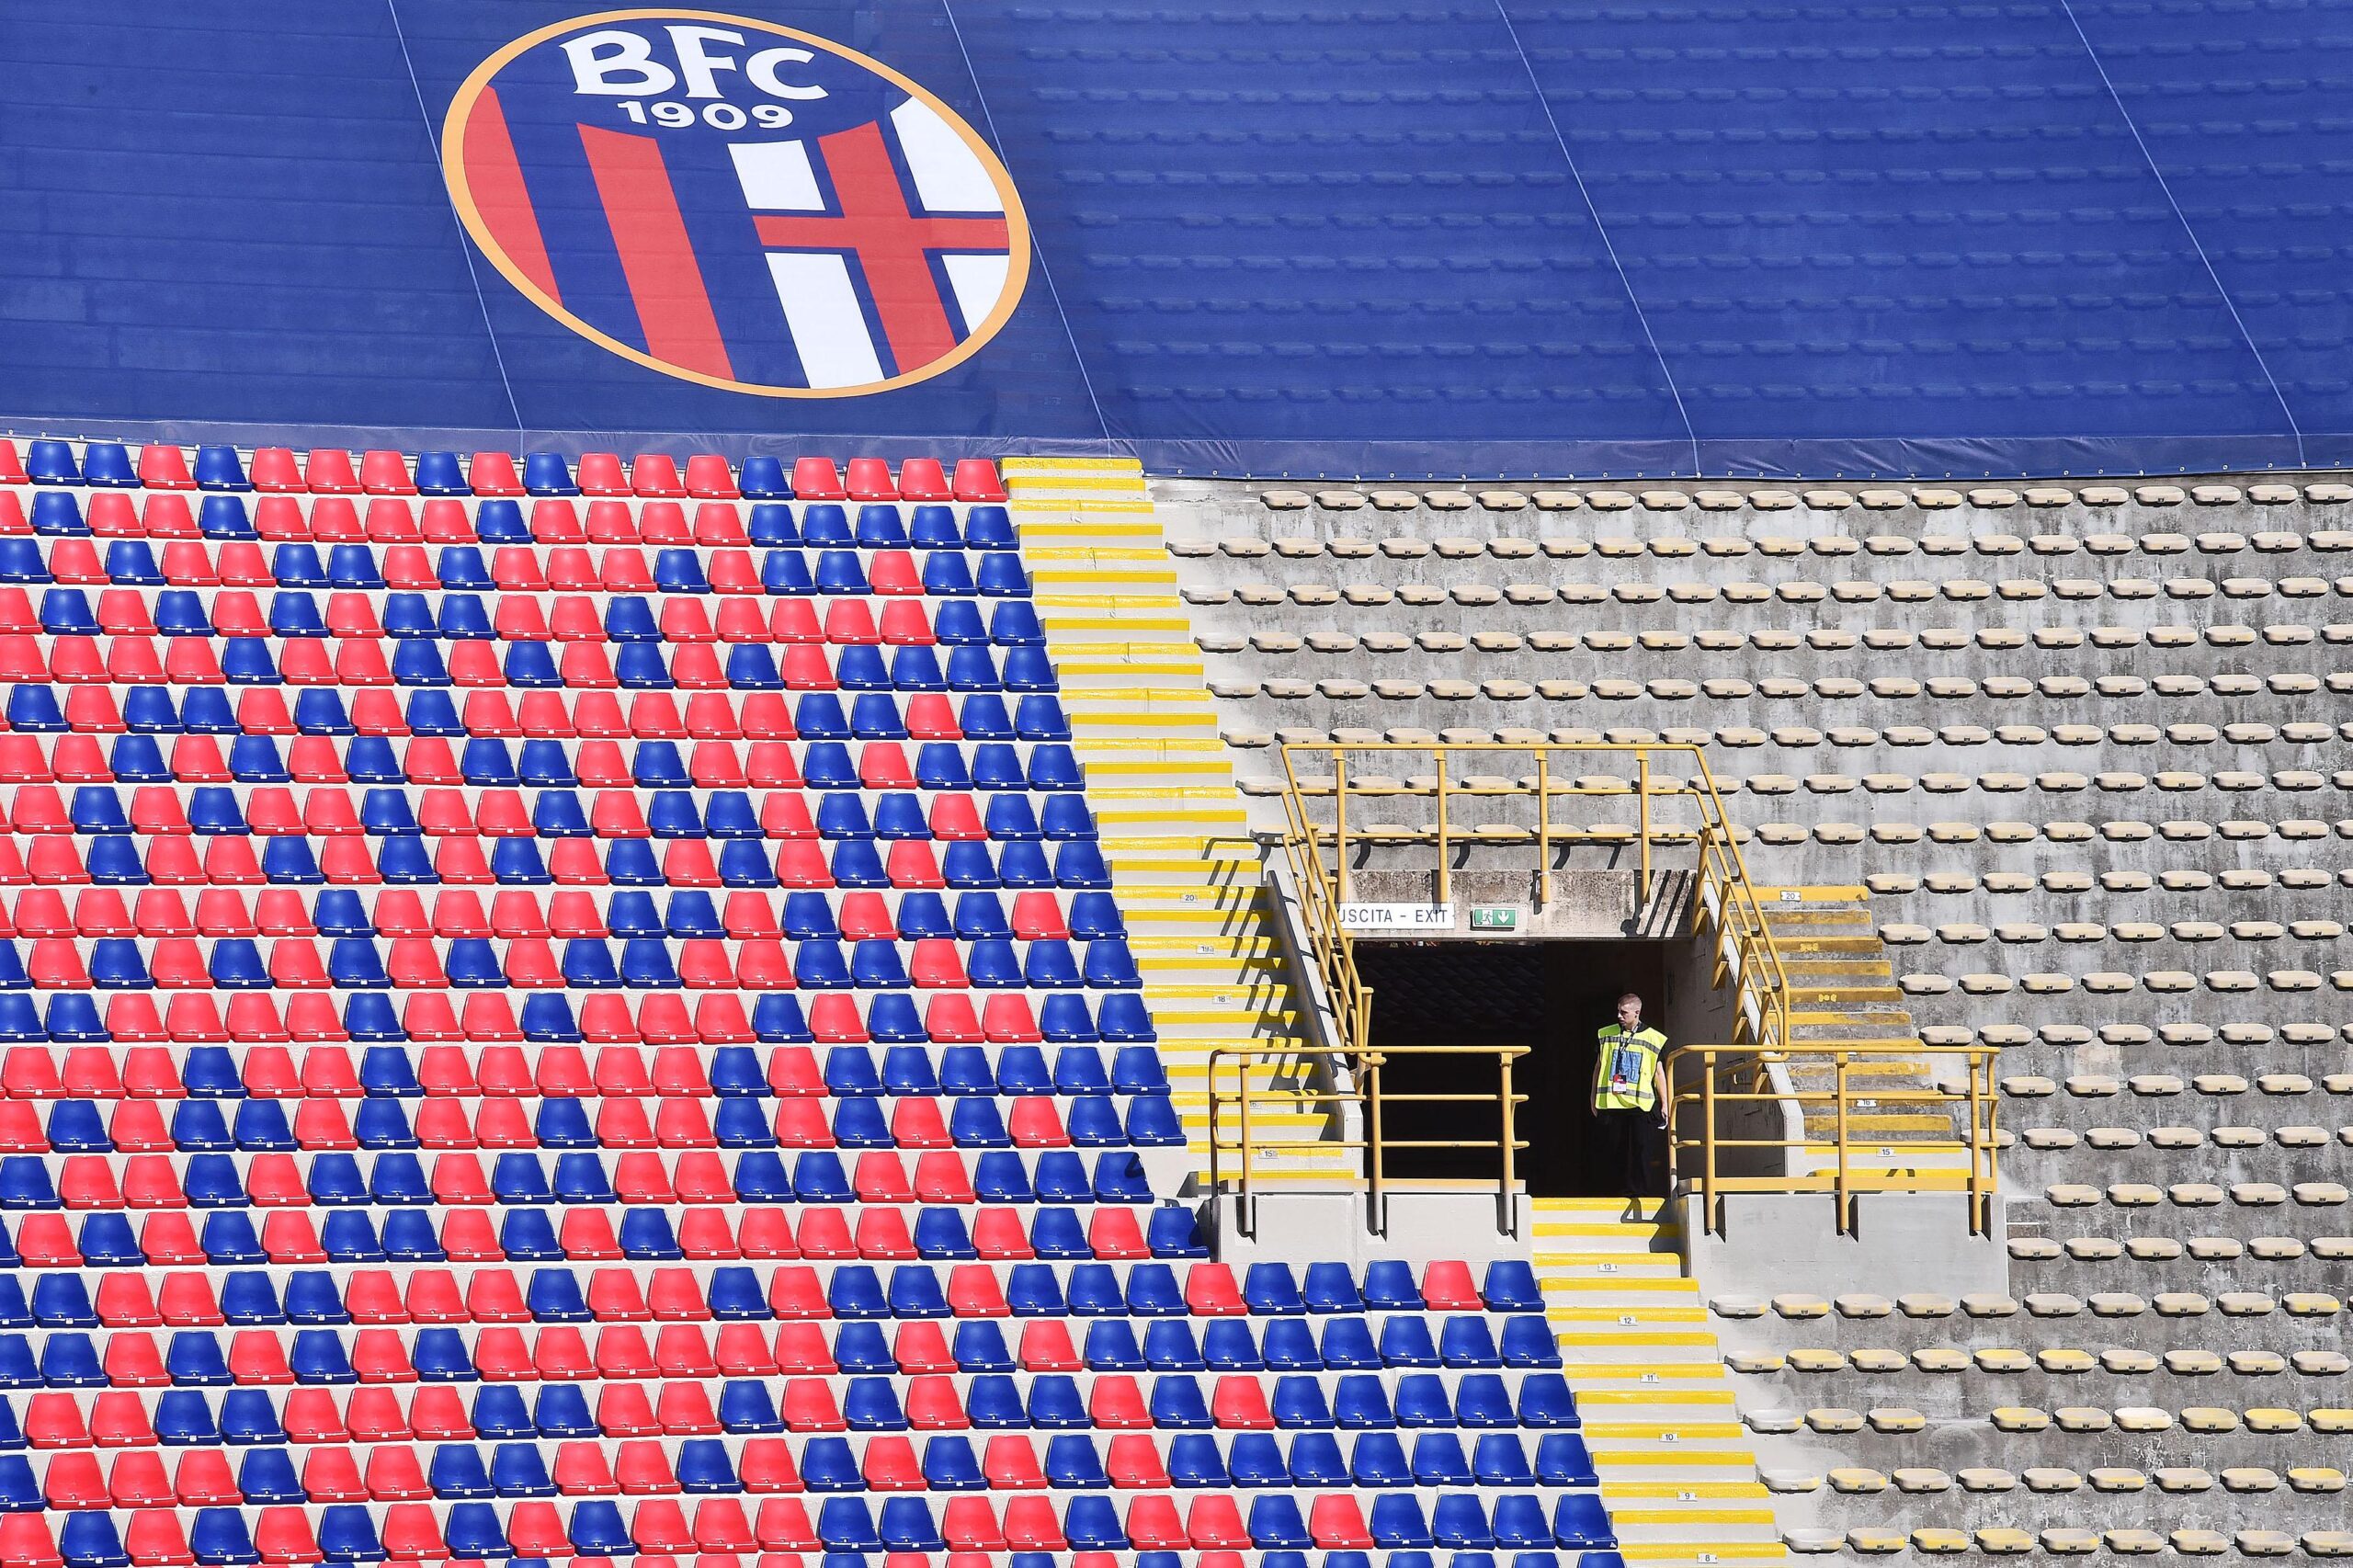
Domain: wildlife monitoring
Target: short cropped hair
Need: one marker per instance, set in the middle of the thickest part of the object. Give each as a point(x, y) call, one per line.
point(1623, 994)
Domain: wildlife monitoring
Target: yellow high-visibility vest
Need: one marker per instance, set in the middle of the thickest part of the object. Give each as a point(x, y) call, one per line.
point(1625, 1069)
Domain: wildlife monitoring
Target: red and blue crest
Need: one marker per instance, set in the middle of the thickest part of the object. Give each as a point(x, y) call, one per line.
point(736, 203)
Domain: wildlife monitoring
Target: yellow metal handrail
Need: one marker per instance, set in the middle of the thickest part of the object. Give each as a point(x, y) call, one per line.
point(1697, 1154)
point(1747, 956)
point(1240, 1141)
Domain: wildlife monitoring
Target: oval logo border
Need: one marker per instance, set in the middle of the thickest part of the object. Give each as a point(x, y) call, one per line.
point(460, 110)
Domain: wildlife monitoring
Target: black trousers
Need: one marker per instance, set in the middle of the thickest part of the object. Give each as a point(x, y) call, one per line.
point(1633, 1151)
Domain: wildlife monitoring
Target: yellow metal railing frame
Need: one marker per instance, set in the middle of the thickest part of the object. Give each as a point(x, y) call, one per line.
point(1747, 956)
point(1240, 1142)
point(1705, 1093)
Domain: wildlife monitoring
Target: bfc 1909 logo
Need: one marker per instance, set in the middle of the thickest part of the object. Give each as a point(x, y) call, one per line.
point(736, 203)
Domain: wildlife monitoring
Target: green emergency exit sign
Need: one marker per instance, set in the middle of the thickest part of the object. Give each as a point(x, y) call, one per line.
point(1494, 919)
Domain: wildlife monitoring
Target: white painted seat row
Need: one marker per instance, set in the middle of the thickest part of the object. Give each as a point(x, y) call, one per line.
point(1927, 498)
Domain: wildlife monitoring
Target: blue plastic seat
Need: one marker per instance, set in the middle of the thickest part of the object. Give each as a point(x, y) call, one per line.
point(1111, 1346)
point(1055, 1403)
point(1405, 1342)
point(934, 527)
point(907, 1525)
point(1580, 1523)
point(975, 1122)
point(1544, 1400)
point(1014, 623)
point(946, 576)
point(825, 522)
point(1268, 1288)
point(1177, 1402)
point(1439, 1461)
point(1228, 1345)
point(1093, 1122)
point(57, 513)
point(499, 520)
point(1510, 1287)
point(1173, 1231)
point(1561, 1459)
point(1080, 866)
point(990, 527)
point(782, 571)
point(1529, 1342)
point(1395, 1520)
point(546, 473)
point(1466, 1341)
point(1170, 1345)
point(1460, 1519)
point(597, 1530)
point(763, 478)
point(1378, 1458)
point(1481, 1400)
point(1194, 1461)
point(993, 1403)
point(1361, 1401)
point(1001, 575)
point(979, 1344)
point(1389, 1286)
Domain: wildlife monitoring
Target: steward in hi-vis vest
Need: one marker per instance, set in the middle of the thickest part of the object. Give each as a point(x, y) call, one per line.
point(1631, 1100)
point(1625, 1069)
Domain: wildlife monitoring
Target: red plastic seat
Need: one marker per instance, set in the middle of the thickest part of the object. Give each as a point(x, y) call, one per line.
point(893, 572)
point(794, 1291)
point(657, 474)
point(1153, 1524)
point(816, 479)
point(976, 479)
point(328, 471)
point(968, 1524)
point(1046, 1347)
point(493, 473)
point(1114, 1234)
point(782, 1524)
point(1336, 1522)
point(385, 472)
point(709, 478)
point(335, 520)
point(882, 1235)
point(809, 1406)
point(1214, 1519)
point(921, 479)
point(599, 474)
point(1011, 1464)
point(1448, 1287)
point(1210, 1291)
point(1007, 1020)
point(1034, 1123)
point(1239, 1403)
point(869, 479)
point(974, 1292)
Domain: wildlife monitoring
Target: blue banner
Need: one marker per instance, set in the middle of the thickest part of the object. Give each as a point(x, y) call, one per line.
point(1509, 238)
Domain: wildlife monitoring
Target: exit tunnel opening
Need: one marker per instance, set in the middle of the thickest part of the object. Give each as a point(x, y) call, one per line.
point(1551, 995)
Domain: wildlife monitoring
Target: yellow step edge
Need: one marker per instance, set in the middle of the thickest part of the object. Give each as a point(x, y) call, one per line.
point(1684, 1491)
point(1689, 1516)
point(1653, 1338)
point(1097, 552)
point(1675, 1453)
point(1050, 463)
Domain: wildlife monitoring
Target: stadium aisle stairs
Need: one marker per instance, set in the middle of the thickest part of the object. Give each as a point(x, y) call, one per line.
point(1842, 989)
point(1187, 872)
point(1677, 1471)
